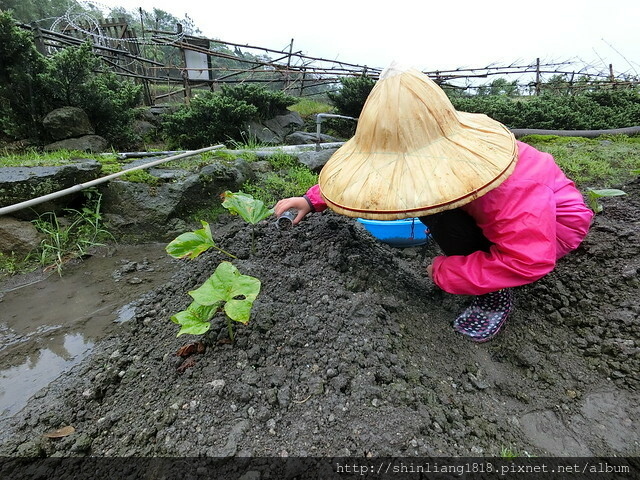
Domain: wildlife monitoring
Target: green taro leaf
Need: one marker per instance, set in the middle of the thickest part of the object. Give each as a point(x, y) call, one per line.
point(249, 208)
point(228, 286)
point(195, 320)
point(593, 195)
point(608, 192)
point(191, 244)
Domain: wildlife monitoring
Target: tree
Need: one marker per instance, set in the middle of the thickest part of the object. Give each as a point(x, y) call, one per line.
point(42, 12)
point(500, 86)
point(20, 68)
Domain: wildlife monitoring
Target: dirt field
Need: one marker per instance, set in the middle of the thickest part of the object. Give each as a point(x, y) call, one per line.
point(350, 352)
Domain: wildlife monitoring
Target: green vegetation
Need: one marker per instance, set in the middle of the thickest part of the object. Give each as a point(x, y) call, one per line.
point(209, 118)
point(192, 244)
point(249, 142)
point(594, 194)
point(12, 264)
point(275, 186)
point(268, 103)
point(31, 85)
point(213, 117)
point(71, 238)
point(602, 162)
point(289, 178)
point(597, 109)
point(226, 291)
point(250, 209)
point(507, 453)
point(66, 237)
point(353, 92)
point(348, 101)
point(20, 84)
point(36, 158)
point(307, 107)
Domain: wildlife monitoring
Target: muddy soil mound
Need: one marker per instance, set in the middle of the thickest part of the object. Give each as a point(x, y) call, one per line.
point(350, 352)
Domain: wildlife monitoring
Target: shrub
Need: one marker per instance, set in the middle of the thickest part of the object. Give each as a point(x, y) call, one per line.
point(268, 103)
point(208, 119)
point(594, 110)
point(110, 104)
point(31, 85)
point(73, 78)
point(353, 92)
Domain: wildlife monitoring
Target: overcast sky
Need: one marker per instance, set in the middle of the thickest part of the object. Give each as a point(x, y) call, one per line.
point(424, 34)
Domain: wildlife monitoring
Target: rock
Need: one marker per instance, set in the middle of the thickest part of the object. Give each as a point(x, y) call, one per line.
point(315, 160)
point(30, 449)
point(275, 130)
point(18, 237)
point(67, 122)
point(143, 128)
point(307, 138)
point(19, 184)
point(86, 143)
point(82, 444)
point(156, 211)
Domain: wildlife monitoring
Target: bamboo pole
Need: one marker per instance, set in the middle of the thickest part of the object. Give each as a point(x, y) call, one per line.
point(97, 181)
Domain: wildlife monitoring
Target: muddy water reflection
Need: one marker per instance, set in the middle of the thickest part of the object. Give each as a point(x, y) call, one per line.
point(48, 325)
point(19, 383)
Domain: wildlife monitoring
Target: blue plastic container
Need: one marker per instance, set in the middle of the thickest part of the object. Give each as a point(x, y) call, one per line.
point(408, 232)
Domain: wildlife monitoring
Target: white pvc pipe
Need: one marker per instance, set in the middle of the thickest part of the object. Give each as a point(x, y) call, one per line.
point(82, 186)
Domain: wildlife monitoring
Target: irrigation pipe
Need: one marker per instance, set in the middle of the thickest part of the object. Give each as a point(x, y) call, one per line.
point(82, 186)
point(520, 132)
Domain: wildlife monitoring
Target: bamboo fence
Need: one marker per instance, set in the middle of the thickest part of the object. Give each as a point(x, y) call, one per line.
point(160, 61)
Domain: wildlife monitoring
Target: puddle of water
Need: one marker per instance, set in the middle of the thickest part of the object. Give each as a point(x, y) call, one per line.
point(48, 326)
point(126, 313)
point(21, 382)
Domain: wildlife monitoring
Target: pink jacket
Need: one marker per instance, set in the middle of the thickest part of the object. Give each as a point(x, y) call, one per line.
point(533, 218)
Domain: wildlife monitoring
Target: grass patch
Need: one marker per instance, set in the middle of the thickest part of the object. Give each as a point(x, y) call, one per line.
point(72, 235)
point(275, 186)
point(507, 452)
point(307, 107)
point(283, 161)
point(601, 162)
point(12, 264)
point(65, 237)
point(35, 158)
point(140, 176)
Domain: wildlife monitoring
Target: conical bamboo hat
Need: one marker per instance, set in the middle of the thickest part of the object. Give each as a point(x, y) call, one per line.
point(413, 154)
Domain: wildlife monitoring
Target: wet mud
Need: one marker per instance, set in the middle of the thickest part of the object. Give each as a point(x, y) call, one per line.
point(51, 322)
point(350, 352)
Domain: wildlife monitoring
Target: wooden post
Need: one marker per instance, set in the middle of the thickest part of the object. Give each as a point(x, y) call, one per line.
point(304, 76)
point(612, 77)
point(570, 87)
point(286, 75)
point(145, 82)
point(537, 76)
point(185, 71)
point(37, 38)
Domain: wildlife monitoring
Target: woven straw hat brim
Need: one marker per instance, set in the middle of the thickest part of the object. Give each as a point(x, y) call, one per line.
point(413, 154)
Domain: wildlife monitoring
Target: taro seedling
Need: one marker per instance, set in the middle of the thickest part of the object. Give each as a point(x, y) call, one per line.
point(227, 291)
point(191, 244)
point(594, 195)
point(250, 209)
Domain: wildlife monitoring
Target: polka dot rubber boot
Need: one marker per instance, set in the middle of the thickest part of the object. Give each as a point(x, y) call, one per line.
point(485, 316)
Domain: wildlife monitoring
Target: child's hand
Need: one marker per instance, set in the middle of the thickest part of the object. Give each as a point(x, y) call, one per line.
point(430, 271)
point(299, 203)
